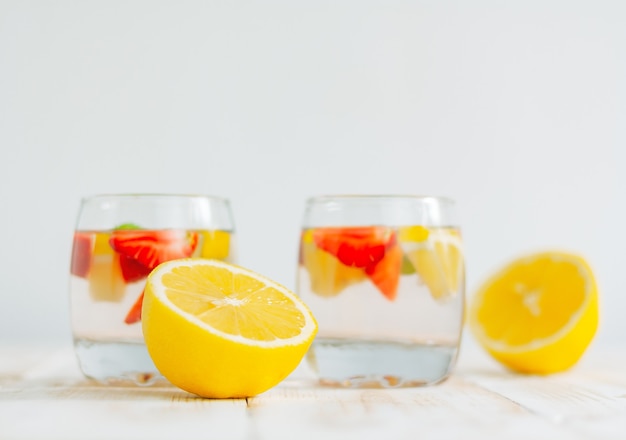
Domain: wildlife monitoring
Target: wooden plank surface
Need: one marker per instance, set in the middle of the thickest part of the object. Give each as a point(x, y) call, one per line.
point(44, 396)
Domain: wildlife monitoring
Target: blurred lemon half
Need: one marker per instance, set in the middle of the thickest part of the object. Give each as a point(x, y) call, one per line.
point(539, 313)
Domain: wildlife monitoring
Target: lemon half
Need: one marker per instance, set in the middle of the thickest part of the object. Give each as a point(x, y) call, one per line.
point(539, 313)
point(218, 330)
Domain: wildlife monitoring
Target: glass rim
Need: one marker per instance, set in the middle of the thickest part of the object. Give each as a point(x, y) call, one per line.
point(415, 197)
point(154, 196)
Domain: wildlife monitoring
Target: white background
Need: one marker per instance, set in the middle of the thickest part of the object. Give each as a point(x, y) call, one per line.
point(516, 109)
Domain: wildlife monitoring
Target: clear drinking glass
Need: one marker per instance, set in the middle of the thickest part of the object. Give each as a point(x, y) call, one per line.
point(118, 240)
point(384, 277)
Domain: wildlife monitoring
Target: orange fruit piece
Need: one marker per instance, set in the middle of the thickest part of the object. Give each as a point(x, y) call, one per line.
point(215, 244)
point(106, 281)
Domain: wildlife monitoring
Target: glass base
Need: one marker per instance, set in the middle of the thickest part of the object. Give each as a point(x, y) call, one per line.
point(376, 364)
point(117, 362)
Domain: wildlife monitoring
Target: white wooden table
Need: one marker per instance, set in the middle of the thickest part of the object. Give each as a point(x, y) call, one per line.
point(44, 396)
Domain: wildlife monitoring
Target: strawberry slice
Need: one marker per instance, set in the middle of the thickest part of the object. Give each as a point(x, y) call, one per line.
point(134, 314)
point(372, 248)
point(81, 254)
point(132, 270)
point(142, 250)
point(355, 246)
point(151, 248)
point(385, 274)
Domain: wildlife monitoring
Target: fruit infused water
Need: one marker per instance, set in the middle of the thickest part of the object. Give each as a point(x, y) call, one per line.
point(109, 268)
point(108, 275)
point(389, 301)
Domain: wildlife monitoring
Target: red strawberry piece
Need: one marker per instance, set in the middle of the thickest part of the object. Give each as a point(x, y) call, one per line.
point(147, 249)
point(355, 246)
point(132, 270)
point(81, 254)
point(385, 274)
point(134, 314)
point(151, 248)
